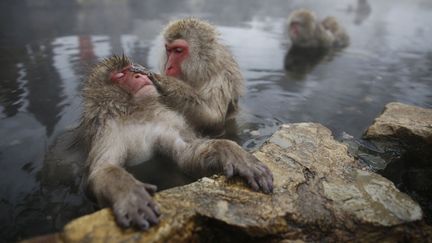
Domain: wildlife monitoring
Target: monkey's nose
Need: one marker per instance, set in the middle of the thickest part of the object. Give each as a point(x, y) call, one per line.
point(139, 75)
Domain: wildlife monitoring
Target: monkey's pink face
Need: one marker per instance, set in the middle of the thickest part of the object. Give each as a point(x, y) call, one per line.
point(294, 29)
point(136, 84)
point(176, 52)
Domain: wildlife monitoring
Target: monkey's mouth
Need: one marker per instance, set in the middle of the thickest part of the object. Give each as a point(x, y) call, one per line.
point(139, 83)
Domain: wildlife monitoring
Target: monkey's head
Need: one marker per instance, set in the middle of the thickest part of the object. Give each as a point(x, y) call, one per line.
point(331, 23)
point(191, 47)
point(116, 83)
point(302, 24)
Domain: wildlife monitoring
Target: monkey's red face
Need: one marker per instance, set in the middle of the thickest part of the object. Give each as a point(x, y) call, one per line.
point(136, 84)
point(295, 28)
point(176, 52)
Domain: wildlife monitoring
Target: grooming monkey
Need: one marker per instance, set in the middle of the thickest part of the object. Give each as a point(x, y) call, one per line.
point(124, 121)
point(305, 31)
point(200, 77)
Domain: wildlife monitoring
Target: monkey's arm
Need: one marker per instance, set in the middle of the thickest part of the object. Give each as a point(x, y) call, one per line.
point(113, 186)
point(206, 109)
point(223, 156)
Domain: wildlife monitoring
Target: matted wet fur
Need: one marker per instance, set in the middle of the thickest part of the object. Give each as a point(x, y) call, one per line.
point(120, 127)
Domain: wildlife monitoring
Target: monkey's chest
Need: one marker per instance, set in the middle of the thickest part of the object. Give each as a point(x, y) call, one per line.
point(140, 142)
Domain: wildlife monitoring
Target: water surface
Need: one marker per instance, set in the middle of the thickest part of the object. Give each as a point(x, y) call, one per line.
point(47, 49)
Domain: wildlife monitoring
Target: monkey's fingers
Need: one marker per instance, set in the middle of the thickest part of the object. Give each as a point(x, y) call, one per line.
point(155, 208)
point(143, 218)
point(266, 177)
point(150, 188)
point(157, 83)
point(264, 184)
point(153, 76)
point(138, 219)
point(148, 214)
point(258, 177)
point(141, 223)
point(247, 174)
point(122, 218)
point(147, 200)
point(260, 180)
point(253, 183)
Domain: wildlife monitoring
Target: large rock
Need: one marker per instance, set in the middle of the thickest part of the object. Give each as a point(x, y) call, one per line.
point(402, 122)
point(404, 132)
point(321, 194)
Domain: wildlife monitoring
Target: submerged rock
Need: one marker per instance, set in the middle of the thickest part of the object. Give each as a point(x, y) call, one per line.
point(320, 194)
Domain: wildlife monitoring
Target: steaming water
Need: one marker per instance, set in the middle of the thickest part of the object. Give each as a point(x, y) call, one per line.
point(47, 50)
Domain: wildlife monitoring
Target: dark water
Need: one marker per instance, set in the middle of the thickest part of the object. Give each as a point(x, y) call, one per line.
point(47, 47)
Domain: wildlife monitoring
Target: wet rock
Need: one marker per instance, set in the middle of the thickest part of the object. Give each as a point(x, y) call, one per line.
point(406, 131)
point(402, 122)
point(320, 194)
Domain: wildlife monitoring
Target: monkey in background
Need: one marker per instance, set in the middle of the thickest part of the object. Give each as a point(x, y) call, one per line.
point(306, 32)
point(124, 121)
point(201, 79)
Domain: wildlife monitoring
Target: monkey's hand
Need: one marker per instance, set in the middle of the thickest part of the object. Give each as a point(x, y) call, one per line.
point(235, 161)
point(135, 206)
point(159, 82)
point(227, 157)
point(257, 175)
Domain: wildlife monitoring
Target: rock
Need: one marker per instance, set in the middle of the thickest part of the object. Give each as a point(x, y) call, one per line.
point(402, 122)
point(404, 129)
point(405, 133)
point(320, 194)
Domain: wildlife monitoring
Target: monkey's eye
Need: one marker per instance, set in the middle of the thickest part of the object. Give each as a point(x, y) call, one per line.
point(178, 50)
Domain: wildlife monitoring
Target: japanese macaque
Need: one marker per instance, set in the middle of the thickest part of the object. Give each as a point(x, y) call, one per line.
point(124, 121)
point(201, 78)
point(305, 31)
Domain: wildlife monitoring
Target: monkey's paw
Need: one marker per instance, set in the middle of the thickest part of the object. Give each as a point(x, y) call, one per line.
point(257, 175)
point(136, 207)
point(157, 81)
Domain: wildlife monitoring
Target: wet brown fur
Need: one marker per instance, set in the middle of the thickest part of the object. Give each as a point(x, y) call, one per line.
point(118, 127)
point(314, 34)
point(211, 83)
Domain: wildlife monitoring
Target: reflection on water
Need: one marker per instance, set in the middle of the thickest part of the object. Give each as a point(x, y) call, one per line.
point(46, 50)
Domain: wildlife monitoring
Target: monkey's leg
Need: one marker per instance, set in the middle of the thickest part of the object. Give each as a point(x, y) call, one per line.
point(129, 198)
point(224, 156)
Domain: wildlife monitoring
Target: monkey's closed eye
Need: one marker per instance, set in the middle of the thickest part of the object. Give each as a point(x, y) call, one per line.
point(178, 50)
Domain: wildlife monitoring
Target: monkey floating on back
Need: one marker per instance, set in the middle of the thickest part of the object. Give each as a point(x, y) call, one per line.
point(124, 121)
point(305, 31)
point(200, 78)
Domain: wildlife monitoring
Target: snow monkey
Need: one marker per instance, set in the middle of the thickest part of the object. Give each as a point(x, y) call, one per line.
point(201, 78)
point(305, 31)
point(124, 121)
